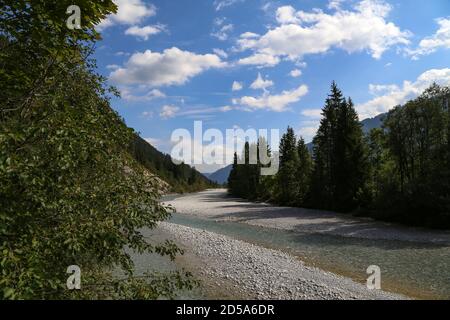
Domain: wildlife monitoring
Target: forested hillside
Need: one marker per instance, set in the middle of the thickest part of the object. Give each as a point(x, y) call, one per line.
point(181, 177)
point(400, 172)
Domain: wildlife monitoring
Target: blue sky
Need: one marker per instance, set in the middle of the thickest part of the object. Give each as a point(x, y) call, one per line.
point(267, 64)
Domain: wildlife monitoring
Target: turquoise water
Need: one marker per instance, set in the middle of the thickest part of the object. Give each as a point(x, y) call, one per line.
point(418, 270)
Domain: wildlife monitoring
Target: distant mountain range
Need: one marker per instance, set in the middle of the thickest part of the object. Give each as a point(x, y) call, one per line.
point(221, 175)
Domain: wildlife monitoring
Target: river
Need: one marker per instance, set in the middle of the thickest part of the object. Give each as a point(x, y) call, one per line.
point(416, 268)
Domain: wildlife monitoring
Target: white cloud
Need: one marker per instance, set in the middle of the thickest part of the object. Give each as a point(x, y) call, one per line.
point(222, 29)
point(237, 86)
point(335, 4)
point(168, 111)
point(112, 66)
point(312, 113)
point(308, 132)
point(377, 89)
point(260, 59)
point(129, 12)
point(429, 45)
point(393, 95)
point(220, 4)
point(154, 142)
point(363, 28)
point(221, 53)
point(286, 15)
point(147, 114)
point(144, 32)
point(249, 35)
point(122, 53)
point(128, 95)
point(295, 73)
point(261, 83)
point(276, 103)
point(171, 67)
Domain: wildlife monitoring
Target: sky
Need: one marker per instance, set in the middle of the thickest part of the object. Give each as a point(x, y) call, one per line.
point(267, 64)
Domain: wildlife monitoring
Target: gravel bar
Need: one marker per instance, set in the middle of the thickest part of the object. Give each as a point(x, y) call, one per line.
point(259, 273)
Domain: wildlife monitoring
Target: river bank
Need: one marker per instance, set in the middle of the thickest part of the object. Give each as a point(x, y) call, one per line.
point(254, 272)
point(217, 205)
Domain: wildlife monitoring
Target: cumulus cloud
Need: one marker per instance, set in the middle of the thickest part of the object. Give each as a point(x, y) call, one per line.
point(276, 103)
point(300, 33)
point(144, 32)
point(295, 73)
point(261, 83)
point(286, 15)
point(168, 111)
point(171, 67)
point(129, 12)
point(429, 45)
point(237, 86)
point(393, 95)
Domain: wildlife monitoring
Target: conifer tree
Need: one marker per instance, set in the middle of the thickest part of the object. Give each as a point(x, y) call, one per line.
point(303, 173)
point(289, 163)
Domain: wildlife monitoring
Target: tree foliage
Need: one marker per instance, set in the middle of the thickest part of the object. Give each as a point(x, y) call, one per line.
point(70, 191)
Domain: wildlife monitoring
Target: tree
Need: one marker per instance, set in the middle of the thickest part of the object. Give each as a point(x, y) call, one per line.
point(339, 155)
point(417, 140)
point(288, 184)
point(323, 183)
point(303, 174)
point(70, 192)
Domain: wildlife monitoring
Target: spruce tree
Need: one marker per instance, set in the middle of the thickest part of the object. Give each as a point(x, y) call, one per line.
point(339, 155)
point(289, 162)
point(303, 173)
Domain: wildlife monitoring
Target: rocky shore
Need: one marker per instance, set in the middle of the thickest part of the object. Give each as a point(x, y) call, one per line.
point(254, 272)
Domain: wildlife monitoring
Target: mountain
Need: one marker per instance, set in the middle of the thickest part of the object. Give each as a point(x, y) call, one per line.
point(181, 178)
point(373, 123)
point(221, 175)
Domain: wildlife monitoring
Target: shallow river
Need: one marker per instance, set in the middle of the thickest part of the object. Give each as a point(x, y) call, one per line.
point(415, 269)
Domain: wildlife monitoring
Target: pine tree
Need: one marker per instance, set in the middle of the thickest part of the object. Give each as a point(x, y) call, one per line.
point(323, 185)
point(233, 175)
point(350, 159)
point(289, 163)
point(303, 174)
point(339, 155)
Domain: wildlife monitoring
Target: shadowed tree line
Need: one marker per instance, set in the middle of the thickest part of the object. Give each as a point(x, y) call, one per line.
point(400, 172)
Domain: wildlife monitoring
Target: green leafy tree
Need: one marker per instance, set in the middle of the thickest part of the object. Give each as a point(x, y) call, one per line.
point(70, 191)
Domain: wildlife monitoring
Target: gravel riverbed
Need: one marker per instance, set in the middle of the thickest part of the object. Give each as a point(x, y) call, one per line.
point(215, 204)
point(256, 272)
